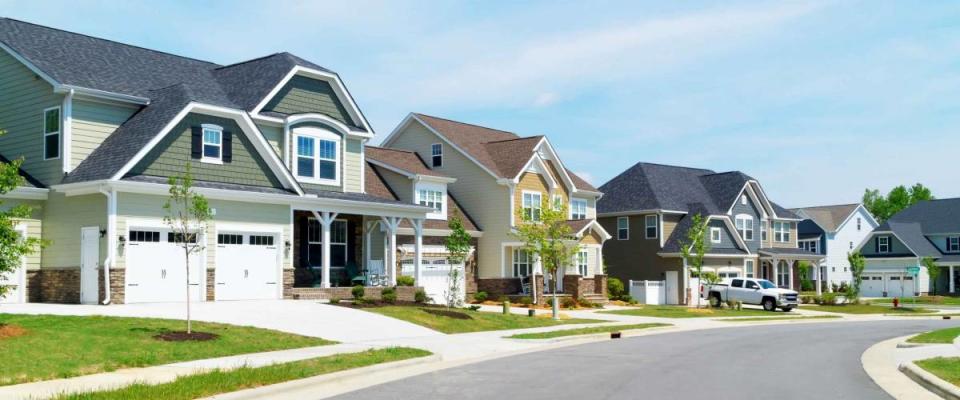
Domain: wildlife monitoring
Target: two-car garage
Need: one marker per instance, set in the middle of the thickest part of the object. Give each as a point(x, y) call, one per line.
point(889, 284)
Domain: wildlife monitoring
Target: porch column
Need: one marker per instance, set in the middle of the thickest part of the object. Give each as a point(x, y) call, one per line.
point(417, 249)
point(826, 278)
point(953, 284)
point(790, 274)
point(391, 224)
point(817, 277)
point(325, 218)
point(367, 252)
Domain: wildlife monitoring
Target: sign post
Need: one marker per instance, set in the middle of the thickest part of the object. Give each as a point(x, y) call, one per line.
point(914, 272)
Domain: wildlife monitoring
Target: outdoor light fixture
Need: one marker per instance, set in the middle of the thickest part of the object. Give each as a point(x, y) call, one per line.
point(103, 233)
point(286, 247)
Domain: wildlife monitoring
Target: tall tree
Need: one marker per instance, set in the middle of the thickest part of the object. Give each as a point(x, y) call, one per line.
point(13, 246)
point(932, 270)
point(187, 215)
point(458, 247)
point(899, 198)
point(547, 236)
point(695, 247)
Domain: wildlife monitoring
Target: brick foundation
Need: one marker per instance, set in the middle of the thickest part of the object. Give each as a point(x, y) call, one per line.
point(404, 293)
point(117, 292)
point(496, 287)
point(60, 285)
point(288, 280)
point(33, 286)
point(211, 284)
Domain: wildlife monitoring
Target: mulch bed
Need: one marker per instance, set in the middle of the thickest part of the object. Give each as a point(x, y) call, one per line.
point(11, 331)
point(447, 313)
point(183, 336)
point(378, 303)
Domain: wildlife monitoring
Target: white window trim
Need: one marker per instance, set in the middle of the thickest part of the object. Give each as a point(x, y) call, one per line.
point(557, 201)
point(781, 232)
point(346, 228)
point(444, 198)
point(627, 229)
point(718, 233)
point(538, 206)
point(881, 244)
point(203, 144)
point(584, 268)
point(575, 201)
point(743, 231)
point(317, 134)
point(58, 132)
point(440, 145)
point(647, 226)
point(743, 199)
point(515, 263)
point(951, 241)
point(752, 272)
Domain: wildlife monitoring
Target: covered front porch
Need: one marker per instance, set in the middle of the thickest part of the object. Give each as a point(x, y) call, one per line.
point(781, 266)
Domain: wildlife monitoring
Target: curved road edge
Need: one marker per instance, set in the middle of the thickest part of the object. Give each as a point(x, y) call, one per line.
point(880, 364)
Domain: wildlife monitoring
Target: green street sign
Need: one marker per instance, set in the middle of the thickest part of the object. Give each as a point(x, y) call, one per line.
point(913, 271)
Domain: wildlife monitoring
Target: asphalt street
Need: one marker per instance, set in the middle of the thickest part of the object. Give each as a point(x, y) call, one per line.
point(792, 361)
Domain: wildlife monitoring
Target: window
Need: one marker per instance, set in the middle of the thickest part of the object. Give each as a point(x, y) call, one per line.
point(623, 228)
point(51, 133)
point(557, 202)
point(748, 266)
point(178, 238)
point(582, 266)
point(522, 263)
point(763, 230)
point(317, 156)
point(851, 245)
point(953, 244)
point(436, 153)
point(808, 245)
point(578, 209)
point(752, 285)
point(338, 243)
point(715, 235)
point(858, 224)
point(745, 226)
point(743, 199)
point(257, 240)
point(783, 273)
point(650, 226)
point(781, 232)
point(738, 283)
point(212, 144)
point(431, 198)
point(883, 244)
point(532, 202)
point(145, 236)
point(229, 239)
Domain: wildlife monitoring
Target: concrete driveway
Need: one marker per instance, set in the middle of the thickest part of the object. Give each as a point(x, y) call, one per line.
point(304, 317)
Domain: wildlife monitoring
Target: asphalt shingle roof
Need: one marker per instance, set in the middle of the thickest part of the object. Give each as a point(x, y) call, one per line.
point(914, 224)
point(827, 217)
point(403, 160)
point(29, 181)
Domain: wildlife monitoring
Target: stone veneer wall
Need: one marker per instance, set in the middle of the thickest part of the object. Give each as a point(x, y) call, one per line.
point(288, 281)
point(33, 286)
point(211, 283)
point(404, 293)
point(59, 285)
point(117, 288)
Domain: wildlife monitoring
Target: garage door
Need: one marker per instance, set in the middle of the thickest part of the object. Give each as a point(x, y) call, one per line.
point(871, 286)
point(435, 278)
point(156, 268)
point(248, 266)
point(898, 286)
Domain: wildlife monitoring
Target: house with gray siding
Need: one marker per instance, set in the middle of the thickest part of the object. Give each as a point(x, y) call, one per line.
point(277, 144)
point(833, 231)
point(649, 209)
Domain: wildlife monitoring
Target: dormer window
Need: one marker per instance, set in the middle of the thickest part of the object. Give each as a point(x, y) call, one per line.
point(318, 156)
point(744, 225)
point(953, 244)
point(883, 244)
point(51, 133)
point(743, 199)
point(436, 153)
point(212, 144)
point(433, 196)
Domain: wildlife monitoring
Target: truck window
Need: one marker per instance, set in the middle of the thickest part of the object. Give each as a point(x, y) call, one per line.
point(737, 283)
point(752, 285)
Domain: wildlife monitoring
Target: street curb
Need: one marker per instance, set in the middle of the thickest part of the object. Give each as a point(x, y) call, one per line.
point(274, 390)
point(930, 381)
point(593, 337)
point(879, 363)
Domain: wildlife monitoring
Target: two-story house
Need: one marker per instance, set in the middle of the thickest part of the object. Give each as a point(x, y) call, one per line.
point(833, 231)
point(926, 229)
point(500, 177)
point(277, 144)
point(650, 208)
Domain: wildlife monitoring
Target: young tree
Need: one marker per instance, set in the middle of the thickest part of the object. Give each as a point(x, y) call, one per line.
point(695, 246)
point(13, 247)
point(900, 197)
point(932, 270)
point(857, 264)
point(547, 236)
point(803, 269)
point(187, 216)
point(458, 247)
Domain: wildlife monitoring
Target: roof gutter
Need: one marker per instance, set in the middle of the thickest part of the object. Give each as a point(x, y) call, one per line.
point(101, 94)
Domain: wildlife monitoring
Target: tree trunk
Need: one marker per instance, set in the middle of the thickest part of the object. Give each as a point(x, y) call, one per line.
point(189, 325)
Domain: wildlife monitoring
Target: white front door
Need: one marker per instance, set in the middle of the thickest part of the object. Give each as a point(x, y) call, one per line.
point(15, 281)
point(156, 268)
point(90, 265)
point(672, 289)
point(248, 266)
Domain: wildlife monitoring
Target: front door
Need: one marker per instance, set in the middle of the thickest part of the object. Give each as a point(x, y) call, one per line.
point(15, 281)
point(672, 289)
point(89, 265)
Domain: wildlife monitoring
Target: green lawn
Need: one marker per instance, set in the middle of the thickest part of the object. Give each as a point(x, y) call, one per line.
point(947, 369)
point(778, 318)
point(64, 346)
point(481, 321)
point(584, 331)
point(932, 300)
point(939, 336)
point(687, 312)
point(870, 309)
point(216, 382)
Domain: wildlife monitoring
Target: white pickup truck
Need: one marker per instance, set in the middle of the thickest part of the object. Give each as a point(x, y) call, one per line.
point(751, 291)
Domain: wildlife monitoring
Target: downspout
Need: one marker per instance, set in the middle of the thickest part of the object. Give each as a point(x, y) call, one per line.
point(111, 240)
point(67, 131)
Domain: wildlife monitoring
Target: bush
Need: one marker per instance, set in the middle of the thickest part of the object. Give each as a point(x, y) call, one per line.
point(473, 308)
point(389, 295)
point(627, 299)
point(420, 296)
point(358, 292)
point(526, 300)
point(843, 287)
point(502, 299)
point(405, 280)
point(480, 297)
point(829, 299)
point(583, 302)
point(615, 289)
point(568, 302)
point(548, 301)
point(806, 299)
point(806, 286)
point(817, 300)
point(835, 287)
point(334, 300)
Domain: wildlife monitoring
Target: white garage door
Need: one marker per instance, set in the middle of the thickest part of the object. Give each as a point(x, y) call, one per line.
point(156, 268)
point(435, 278)
point(898, 286)
point(871, 286)
point(248, 266)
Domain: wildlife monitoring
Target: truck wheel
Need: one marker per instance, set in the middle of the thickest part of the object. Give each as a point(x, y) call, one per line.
point(769, 304)
point(715, 300)
point(787, 309)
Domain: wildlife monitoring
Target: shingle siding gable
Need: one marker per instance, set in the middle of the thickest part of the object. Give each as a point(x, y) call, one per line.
point(307, 95)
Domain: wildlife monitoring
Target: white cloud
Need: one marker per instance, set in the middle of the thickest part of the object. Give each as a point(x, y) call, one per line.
point(545, 99)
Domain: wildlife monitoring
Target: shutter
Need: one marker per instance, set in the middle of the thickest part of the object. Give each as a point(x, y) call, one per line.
point(227, 146)
point(196, 148)
point(876, 244)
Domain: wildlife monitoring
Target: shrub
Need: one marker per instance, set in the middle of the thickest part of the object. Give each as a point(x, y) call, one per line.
point(835, 287)
point(405, 280)
point(568, 302)
point(583, 302)
point(389, 295)
point(480, 297)
point(334, 300)
point(615, 289)
point(502, 299)
point(526, 300)
point(829, 299)
point(473, 308)
point(420, 296)
point(731, 304)
point(627, 299)
point(843, 287)
point(806, 299)
point(817, 300)
point(358, 292)
point(806, 286)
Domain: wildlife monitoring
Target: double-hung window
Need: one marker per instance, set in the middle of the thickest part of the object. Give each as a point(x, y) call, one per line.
point(715, 235)
point(557, 201)
point(318, 156)
point(582, 264)
point(51, 133)
point(953, 244)
point(781, 232)
point(436, 153)
point(883, 244)
point(744, 225)
point(431, 198)
point(578, 209)
point(338, 243)
point(522, 263)
point(212, 144)
point(763, 230)
point(748, 266)
point(532, 201)
point(859, 223)
point(623, 228)
point(650, 224)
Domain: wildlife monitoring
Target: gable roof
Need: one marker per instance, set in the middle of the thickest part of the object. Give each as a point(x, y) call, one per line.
point(502, 153)
point(828, 217)
point(403, 160)
point(914, 224)
point(28, 180)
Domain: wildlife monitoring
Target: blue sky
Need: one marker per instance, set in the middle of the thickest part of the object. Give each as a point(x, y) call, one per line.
point(817, 100)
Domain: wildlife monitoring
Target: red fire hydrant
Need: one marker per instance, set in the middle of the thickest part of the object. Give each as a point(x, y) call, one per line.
point(896, 302)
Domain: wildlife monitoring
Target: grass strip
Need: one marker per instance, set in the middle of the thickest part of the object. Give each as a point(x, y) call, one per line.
point(479, 321)
point(216, 382)
point(946, 368)
point(870, 309)
point(942, 336)
point(585, 331)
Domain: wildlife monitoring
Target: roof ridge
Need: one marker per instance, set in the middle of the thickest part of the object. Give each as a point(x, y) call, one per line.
point(465, 123)
point(674, 166)
point(825, 206)
point(516, 139)
point(111, 41)
point(390, 149)
point(247, 61)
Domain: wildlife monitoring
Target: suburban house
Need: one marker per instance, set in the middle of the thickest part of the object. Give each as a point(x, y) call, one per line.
point(650, 208)
point(833, 231)
point(277, 144)
point(500, 177)
point(926, 229)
